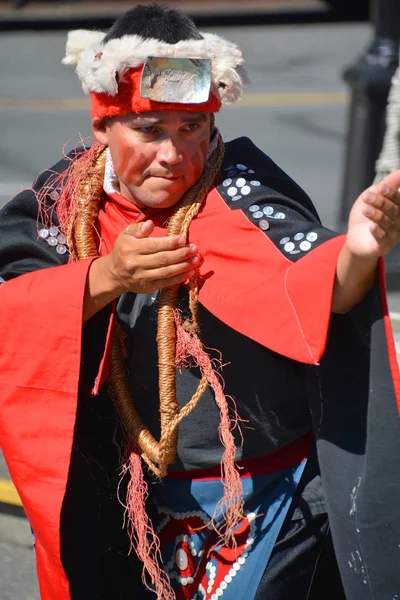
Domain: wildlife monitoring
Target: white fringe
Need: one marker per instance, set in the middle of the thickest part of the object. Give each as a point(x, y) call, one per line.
point(119, 55)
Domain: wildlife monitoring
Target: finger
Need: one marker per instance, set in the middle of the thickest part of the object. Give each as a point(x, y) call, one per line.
point(151, 245)
point(140, 230)
point(392, 180)
point(383, 228)
point(162, 273)
point(177, 279)
point(389, 193)
point(378, 216)
point(387, 204)
point(154, 245)
point(381, 237)
point(171, 257)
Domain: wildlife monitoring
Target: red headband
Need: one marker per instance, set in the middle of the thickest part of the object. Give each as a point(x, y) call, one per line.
point(128, 100)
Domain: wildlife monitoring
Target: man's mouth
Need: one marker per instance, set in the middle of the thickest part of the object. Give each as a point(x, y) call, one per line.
point(168, 177)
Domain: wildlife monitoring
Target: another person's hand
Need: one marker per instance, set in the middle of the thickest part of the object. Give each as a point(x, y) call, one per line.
point(374, 223)
point(142, 264)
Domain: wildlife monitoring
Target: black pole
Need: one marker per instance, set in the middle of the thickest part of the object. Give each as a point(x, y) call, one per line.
point(369, 80)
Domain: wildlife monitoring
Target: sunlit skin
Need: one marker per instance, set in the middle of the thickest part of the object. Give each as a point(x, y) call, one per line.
point(157, 156)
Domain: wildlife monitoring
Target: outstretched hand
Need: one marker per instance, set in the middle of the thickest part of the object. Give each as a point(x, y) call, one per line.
point(374, 222)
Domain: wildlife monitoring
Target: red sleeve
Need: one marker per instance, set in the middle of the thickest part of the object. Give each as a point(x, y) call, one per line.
point(40, 329)
point(249, 283)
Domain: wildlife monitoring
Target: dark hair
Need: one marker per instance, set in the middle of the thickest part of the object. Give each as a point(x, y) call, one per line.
point(164, 23)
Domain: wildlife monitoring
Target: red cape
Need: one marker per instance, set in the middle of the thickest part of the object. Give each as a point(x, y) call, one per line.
point(245, 276)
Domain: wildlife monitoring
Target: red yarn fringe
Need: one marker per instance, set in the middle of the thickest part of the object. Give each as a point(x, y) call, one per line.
point(143, 538)
point(66, 185)
point(231, 505)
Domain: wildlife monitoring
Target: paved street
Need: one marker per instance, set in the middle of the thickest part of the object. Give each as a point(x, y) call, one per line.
point(295, 109)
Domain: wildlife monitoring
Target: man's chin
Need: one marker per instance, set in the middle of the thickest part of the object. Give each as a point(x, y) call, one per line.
point(159, 198)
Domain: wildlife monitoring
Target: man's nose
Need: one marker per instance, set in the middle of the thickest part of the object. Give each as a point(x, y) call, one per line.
point(170, 152)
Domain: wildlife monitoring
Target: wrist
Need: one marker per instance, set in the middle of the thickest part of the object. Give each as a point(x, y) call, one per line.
point(365, 262)
point(103, 278)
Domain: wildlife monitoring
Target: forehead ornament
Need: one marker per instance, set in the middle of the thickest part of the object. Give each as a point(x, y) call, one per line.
point(190, 72)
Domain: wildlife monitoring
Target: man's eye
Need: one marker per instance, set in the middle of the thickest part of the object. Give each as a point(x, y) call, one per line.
point(148, 129)
point(191, 126)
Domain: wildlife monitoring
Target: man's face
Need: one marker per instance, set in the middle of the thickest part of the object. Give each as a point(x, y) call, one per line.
point(157, 156)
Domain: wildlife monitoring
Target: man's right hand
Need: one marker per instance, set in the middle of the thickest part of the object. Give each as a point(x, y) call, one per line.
point(140, 264)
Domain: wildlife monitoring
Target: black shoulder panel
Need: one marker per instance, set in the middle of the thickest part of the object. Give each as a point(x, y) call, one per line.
point(251, 182)
point(25, 244)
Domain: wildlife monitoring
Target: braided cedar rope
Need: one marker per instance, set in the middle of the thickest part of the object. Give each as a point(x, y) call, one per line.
point(158, 455)
point(185, 211)
point(81, 239)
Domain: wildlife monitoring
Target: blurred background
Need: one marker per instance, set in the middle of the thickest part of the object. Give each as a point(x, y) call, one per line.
point(320, 74)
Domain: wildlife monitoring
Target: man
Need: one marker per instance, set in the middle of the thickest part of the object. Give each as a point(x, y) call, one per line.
point(195, 285)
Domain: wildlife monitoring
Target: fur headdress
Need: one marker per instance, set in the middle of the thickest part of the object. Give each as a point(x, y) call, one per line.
point(103, 67)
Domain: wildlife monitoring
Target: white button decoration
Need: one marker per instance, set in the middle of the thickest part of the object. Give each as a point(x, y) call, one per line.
point(250, 541)
point(284, 240)
point(240, 182)
point(43, 233)
point(241, 167)
point(181, 559)
point(305, 246)
point(232, 191)
point(263, 224)
point(227, 182)
point(289, 247)
point(268, 211)
point(298, 237)
point(280, 215)
point(254, 208)
point(312, 236)
point(235, 198)
point(54, 195)
point(258, 214)
point(246, 189)
point(255, 183)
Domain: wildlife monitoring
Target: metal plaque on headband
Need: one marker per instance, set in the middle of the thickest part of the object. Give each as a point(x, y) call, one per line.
point(179, 80)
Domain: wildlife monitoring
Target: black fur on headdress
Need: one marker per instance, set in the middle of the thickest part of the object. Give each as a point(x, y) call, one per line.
point(164, 23)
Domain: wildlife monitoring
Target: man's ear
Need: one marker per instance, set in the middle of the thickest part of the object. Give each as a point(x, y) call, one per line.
point(100, 130)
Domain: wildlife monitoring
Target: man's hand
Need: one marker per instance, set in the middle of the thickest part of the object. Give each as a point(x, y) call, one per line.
point(374, 230)
point(374, 223)
point(140, 264)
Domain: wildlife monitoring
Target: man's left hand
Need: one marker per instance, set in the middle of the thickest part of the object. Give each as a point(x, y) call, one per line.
point(374, 223)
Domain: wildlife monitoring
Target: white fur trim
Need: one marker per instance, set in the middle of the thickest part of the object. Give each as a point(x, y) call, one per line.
point(119, 55)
